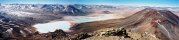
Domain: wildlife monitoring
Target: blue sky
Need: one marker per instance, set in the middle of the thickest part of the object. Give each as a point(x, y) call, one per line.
point(170, 3)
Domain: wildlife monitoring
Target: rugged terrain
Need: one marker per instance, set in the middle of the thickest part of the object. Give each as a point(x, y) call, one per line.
point(129, 23)
point(148, 24)
point(155, 24)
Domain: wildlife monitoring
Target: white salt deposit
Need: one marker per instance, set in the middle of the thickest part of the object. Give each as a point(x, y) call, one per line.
point(52, 26)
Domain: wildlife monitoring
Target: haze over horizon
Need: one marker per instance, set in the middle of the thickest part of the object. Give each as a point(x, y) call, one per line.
point(155, 3)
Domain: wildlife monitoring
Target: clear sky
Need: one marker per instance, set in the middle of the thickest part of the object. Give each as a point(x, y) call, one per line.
point(172, 3)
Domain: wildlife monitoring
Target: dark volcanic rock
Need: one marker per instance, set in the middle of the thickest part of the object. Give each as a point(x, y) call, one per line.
point(60, 34)
point(57, 35)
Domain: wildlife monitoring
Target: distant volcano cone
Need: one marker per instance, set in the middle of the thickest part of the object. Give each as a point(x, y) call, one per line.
point(163, 23)
point(162, 20)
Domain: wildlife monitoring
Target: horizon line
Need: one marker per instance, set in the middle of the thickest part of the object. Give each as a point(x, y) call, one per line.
point(89, 4)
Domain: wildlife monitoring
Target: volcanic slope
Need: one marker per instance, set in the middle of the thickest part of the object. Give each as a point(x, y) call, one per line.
point(162, 24)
